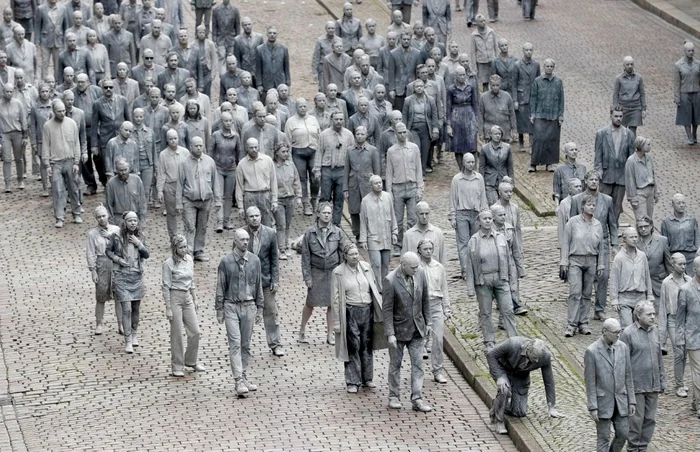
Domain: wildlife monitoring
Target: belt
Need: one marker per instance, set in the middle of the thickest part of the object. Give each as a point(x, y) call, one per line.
point(257, 191)
point(180, 290)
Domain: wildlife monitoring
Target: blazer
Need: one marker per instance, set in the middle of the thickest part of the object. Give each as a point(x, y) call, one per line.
point(268, 254)
point(402, 69)
point(106, 121)
point(603, 213)
point(139, 74)
point(79, 60)
point(187, 61)
point(333, 70)
point(272, 66)
point(315, 254)
point(47, 34)
point(351, 99)
point(608, 386)
point(120, 48)
point(431, 113)
point(493, 166)
point(374, 128)
point(659, 258)
point(611, 166)
point(247, 55)
point(178, 78)
point(437, 14)
point(384, 61)
point(405, 312)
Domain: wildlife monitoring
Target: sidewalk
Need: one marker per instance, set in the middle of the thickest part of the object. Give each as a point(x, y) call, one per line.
point(684, 14)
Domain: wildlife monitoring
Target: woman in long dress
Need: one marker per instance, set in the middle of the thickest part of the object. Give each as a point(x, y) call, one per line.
point(462, 105)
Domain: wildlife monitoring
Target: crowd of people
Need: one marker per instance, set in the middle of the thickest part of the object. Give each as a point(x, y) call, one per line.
point(129, 105)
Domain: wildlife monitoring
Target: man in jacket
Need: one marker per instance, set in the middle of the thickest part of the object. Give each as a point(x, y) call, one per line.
point(108, 114)
point(50, 25)
point(406, 312)
point(272, 64)
point(688, 326)
point(402, 69)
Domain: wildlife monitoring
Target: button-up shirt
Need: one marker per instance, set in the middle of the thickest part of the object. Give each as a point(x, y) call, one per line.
point(583, 238)
point(377, 221)
point(332, 148)
point(630, 273)
point(356, 287)
point(403, 165)
point(268, 137)
point(467, 192)
point(488, 252)
point(413, 236)
point(437, 282)
point(256, 176)
point(96, 244)
point(169, 166)
point(145, 143)
point(197, 180)
point(239, 280)
point(683, 234)
point(628, 91)
point(177, 275)
point(563, 174)
point(288, 182)
point(60, 141)
point(303, 131)
point(639, 173)
point(118, 147)
point(125, 196)
point(497, 110)
point(645, 358)
point(13, 117)
point(668, 304)
point(547, 98)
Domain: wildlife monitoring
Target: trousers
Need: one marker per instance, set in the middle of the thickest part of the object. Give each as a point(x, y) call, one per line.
point(227, 182)
point(195, 216)
point(63, 185)
point(380, 260)
point(271, 319)
point(260, 199)
point(48, 53)
point(617, 192)
point(694, 361)
point(529, 7)
point(582, 270)
point(405, 200)
point(679, 353)
point(239, 319)
point(146, 175)
point(513, 401)
point(628, 300)
point(130, 317)
point(421, 136)
point(359, 334)
point(472, 7)
point(283, 218)
point(437, 317)
point(184, 318)
point(12, 148)
point(304, 160)
point(467, 225)
point(645, 202)
point(332, 190)
point(492, 6)
point(494, 288)
point(170, 210)
point(643, 422)
point(415, 351)
point(203, 13)
point(621, 426)
point(601, 292)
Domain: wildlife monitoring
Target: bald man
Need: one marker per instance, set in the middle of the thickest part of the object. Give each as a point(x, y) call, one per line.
point(168, 173)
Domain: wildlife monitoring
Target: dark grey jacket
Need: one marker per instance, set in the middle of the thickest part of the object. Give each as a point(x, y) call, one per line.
point(268, 254)
point(405, 312)
point(608, 386)
point(611, 166)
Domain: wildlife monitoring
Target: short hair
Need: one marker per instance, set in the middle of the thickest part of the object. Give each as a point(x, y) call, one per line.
point(423, 242)
point(121, 161)
point(322, 205)
point(494, 78)
point(640, 142)
point(641, 306)
point(586, 198)
point(647, 219)
point(615, 108)
point(590, 174)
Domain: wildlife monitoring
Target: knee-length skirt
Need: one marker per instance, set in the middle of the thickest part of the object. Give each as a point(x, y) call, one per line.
point(319, 296)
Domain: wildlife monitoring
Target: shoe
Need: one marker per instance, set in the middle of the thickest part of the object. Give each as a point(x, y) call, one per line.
point(308, 211)
point(369, 384)
point(489, 346)
point(249, 385)
point(425, 352)
point(228, 227)
point(128, 348)
point(77, 219)
point(165, 213)
point(469, 24)
point(278, 351)
point(98, 329)
point(440, 378)
point(81, 210)
point(197, 368)
point(282, 256)
point(241, 388)
point(395, 403)
point(599, 315)
point(59, 223)
point(120, 330)
point(501, 428)
point(522, 310)
point(134, 339)
point(219, 228)
point(201, 258)
point(352, 389)
point(330, 340)
point(21, 185)
point(664, 352)
point(569, 331)
point(532, 169)
point(8, 189)
point(428, 170)
point(45, 194)
point(90, 191)
point(396, 252)
point(178, 373)
point(550, 168)
point(302, 338)
point(583, 329)
point(682, 392)
point(419, 405)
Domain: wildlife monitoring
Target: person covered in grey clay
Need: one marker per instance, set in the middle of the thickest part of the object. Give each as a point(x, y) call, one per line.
point(609, 387)
point(628, 94)
point(640, 180)
point(525, 72)
point(438, 16)
point(496, 108)
point(372, 42)
point(495, 163)
point(564, 208)
point(180, 295)
point(404, 7)
point(582, 259)
point(484, 49)
point(357, 319)
point(510, 364)
point(334, 64)
point(515, 252)
point(467, 199)
point(321, 252)
point(529, 7)
point(256, 183)
point(604, 214)
point(461, 116)
point(655, 247)
point(407, 320)
point(682, 231)
point(348, 29)
point(272, 67)
point(384, 58)
point(239, 304)
point(642, 339)
point(288, 196)
point(361, 162)
point(122, 146)
point(402, 70)
point(630, 282)
point(378, 229)
point(425, 230)
point(505, 196)
point(368, 121)
point(546, 115)
point(100, 266)
point(570, 169)
point(488, 274)
point(128, 251)
point(504, 65)
point(168, 170)
point(668, 314)
point(688, 326)
point(421, 113)
point(323, 47)
point(614, 144)
point(125, 193)
point(686, 92)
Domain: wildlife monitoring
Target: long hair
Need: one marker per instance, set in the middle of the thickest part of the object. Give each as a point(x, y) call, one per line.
point(197, 115)
point(124, 232)
point(176, 241)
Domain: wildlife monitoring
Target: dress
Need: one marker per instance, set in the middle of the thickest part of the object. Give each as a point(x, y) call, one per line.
point(462, 105)
point(127, 282)
point(102, 264)
point(319, 257)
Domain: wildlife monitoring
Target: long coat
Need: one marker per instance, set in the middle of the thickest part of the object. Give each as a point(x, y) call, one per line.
point(360, 164)
point(611, 165)
point(608, 385)
point(272, 66)
point(379, 341)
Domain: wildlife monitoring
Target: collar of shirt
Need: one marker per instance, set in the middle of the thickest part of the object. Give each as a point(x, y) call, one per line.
point(239, 257)
point(486, 234)
point(642, 159)
point(196, 159)
point(174, 151)
point(471, 176)
point(498, 94)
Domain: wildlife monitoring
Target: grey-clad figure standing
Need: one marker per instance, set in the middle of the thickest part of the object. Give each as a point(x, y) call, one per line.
point(688, 326)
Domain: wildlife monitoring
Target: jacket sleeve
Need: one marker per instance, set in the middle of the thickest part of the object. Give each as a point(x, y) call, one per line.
point(221, 286)
point(306, 258)
point(663, 297)
point(681, 314)
point(335, 300)
point(425, 301)
point(274, 259)
point(589, 372)
point(548, 379)
point(259, 299)
point(493, 358)
point(629, 381)
point(598, 158)
point(388, 307)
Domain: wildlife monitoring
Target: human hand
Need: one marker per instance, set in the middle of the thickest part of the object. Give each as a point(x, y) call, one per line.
point(435, 135)
point(453, 224)
point(273, 288)
point(309, 284)
point(447, 314)
point(394, 239)
point(241, 214)
point(220, 316)
point(49, 171)
point(336, 329)
point(315, 76)
point(160, 198)
point(84, 158)
point(470, 293)
point(644, 114)
point(514, 135)
point(362, 245)
point(218, 205)
point(564, 272)
point(123, 262)
point(169, 314)
point(532, 119)
point(135, 241)
point(346, 195)
point(316, 173)
point(392, 341)
point(392, 93)
point(515, 106)
point(273, 207)
point(450, 133)
point(105, 233)
point(560, 122)
point(258, 316)
point(297, 202)
point(419, 194)
point(634, 202)
point(632, 409)
point(94, 277)
point(260, 89)
point(503, 384)
point(599, 273)
point(594, 415)
point(615, 306)
point(178, 210)
point(553, 412)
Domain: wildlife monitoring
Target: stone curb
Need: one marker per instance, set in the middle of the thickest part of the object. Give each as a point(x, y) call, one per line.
point(672, 15)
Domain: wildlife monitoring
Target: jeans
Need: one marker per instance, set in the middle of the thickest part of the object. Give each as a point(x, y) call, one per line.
point(582, 270)
point(332, 190)
point(514, 400)
point(184, 315)
point(227, 184)
point(359, 334)
point(260, 199)
point(643, 422)
point(472, 7)
point(12, 148)
point(438, 329)
point(405, 198)
point(467, 225)
point(130, 317)
point(618, 194)
point(601, 292)
point(239, 319)
point(88, 168)
point(645, 205)
point(47, 54)
point(304, 160)
point(529, 7)
point(62, 180)
point(380, 260)
point(494, 288)
point(146, 177)
point(621, 426)
point(170, 210)
point(679, 353)
point(694, 361)
point(271, 319)
point(628, 300)
point(195, 215)
point(283, 218)
point(421, 136)
point(415, 351)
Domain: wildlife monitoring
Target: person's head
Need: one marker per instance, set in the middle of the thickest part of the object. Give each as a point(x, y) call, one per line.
point(122, 70)
point(351, 254)
point(645, 314)
point(148, 57)
point(431, 66)
point(347, 10)
point(436, 56)
point(91, 37)
point(616, 116)
point(272, 102)
point(302, 107)
point(7, 15)
point(696, 268)
point(503, 45)
point(453, 49)
point(337, 48)
point(535, 350)
point(19, 78)
point(159, 13)
point(131, 223)
point(68, 98)
point(252, 148)
point(71, 41)
point(182, 38)
point(357, 56)
point(422, 72)
point(678, 203)
point(231, 64)
point(468, 162)
point(330, 29)
point(169, 92)
point(375, 181)
point(259, 116)
point(125, 130)
point(192, 110)
point(425, 249)
point(282, 152)
point(121, 165)
point(332, 90)
point(365, 64)
point(418, 29)
point(338, 120)
point(419, 87)
point(283, 92)
point(571, 150)
point(271, 34)
point(395, 117)
point(172, 138)
point(153, 96)
point(645, 226)
point(461, 75)
point(108, 88)
point(379, 93)
point(196, 147)
point(99, 9)
point(324, 213)
point(505, 189)
point(247, 25)
point(429, 34)
point(611, 331)
point(549, 66)
point(9, 92)
point(138, 116)
point(18, 33)
point(480, 21)
point(496, 134)
point(485, 219)
point(630, 237)
point(409, 263)
point(174, 111)
point(575, 186)
point(191, 86)
point(226, 107)
point(116, 21)
point(689, 49)
point(44, 91)
point(391, 39)
point(253, 217)
point(101, 215)
point(401, 132)
point(463, 60)
point(240, 241)
point(642, 144)
point(82, 81)
point(499, 215)
point(405, 40)
point(423, 213)
point(147, 4)
point(172, 60)
point(397, 17)
point(200, 32)
point(678, 262)
point(592, 180)
point(588, 203)
point(59, 109)
point(156, 28)
point(628, 64)
point(360, 135)
point(371, 26)
point(178, 247)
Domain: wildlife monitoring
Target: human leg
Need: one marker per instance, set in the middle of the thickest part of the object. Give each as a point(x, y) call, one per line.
point(189, 219)
point(438, 326)
point(191, 324)
point(601, 295)
point(375, 260)
point(621, 427)
point(170, 210)
point(353, 366)
point(366, 328)
point(679, 353)
point(602, 433)
point(394, 377)
point(233, 336)
point(386, 260)
point(338, 196)
point(58, 191)
point(202, 219)
point(271, 319)
point(694, 361)
point(575, 279)
point(247, 316)
point(146, 177)
point(415, 351)
point(505, 305)
point(588, 277)
point(484, 297)
point(462, 233)
point(177, 302)
point(126, 320)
